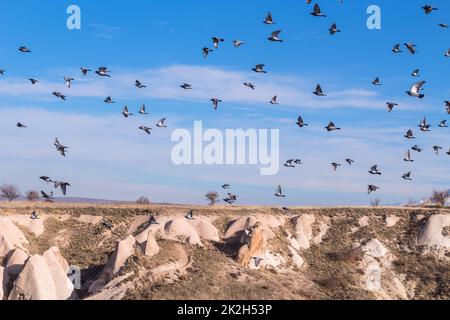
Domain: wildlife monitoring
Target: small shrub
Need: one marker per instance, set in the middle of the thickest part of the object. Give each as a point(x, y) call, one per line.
point(440, 197)
point(9, 192)
point(143, 200)
point(375, 202)
point(32, 195)
point(212, 197)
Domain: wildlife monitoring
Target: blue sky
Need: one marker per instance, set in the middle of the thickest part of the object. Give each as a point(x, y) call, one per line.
point(160, 43)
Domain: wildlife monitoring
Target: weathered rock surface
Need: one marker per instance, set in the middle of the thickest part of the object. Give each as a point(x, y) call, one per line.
point(10, 237)
point(43, 278)
point(124, 250)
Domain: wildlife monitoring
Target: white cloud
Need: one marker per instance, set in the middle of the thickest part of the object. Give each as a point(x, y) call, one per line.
point(110, 158)
point(164, 83)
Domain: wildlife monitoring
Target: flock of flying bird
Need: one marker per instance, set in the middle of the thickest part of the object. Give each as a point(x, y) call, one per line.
point(415, 91)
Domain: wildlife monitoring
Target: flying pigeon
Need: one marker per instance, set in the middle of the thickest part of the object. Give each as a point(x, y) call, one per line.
point(68, 81)
point(407, 176)
point(24, 49)
point(436, 149)
point(415, 90)
point(443, 124)
point(274, 100)
point(415, 73)
point(161, 124)
point(424, 126)
point(229, 201)
point(33, 81)
point(279, 193)
point(331, 127)
point(317, 12)
point(237, 43)
point(46, 179)
point(215, 102)
point(232, 197)
point(391, 105)
point(257, 261)
point(374, 170)
point(103, 72)
point(142, 110)
point(289, 164)
point(447, 54)
point(372, 188)
point(274, 37)
point(416, 148)
point(146, 129)
point(349, 161)
point(301, 123)
point(186, 86)
point(259, 68)
point(125, 112)
point(62, 185)
point(447, 106)
point(59, 147)
point(139, 85)
point(409, 135)
point(333, 29)
point(411, 47)
point(47, 197)
point(268, 19)
point(108, 100)
point(448, 152)
point(206, 51)
point(226, 186)
point(376, 82)
point(2, 71)
point(190, 215)
point(34, 216)
point(428, 9)
point(59, 95)
point(408, 157)
point(335, 166)
point(319, 92)
point(396, 48)
point(85, 71)
point(443, 25)
point(216, 41)
point(250, 85)
point(20, 125)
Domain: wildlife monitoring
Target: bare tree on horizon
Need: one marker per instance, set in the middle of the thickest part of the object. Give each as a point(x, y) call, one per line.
point(9, 192)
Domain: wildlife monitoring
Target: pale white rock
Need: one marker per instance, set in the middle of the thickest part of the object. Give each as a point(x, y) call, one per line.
point(297, 260)
point(124, 250)
point(16, 261)
point(10, 237)
point(235, 231)
point(2, 280)
point(151, 246)
point(391, 221)
point(181, 228)
point(364, 222)
point(35, 226)
point(303, 230)
point(43, 278)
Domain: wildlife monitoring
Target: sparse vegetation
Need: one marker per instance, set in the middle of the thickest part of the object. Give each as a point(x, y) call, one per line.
point(32, 195)
point(375, 202)
point(440, 197)
point(9, 192)
point(143, 200)
point(212, 197)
